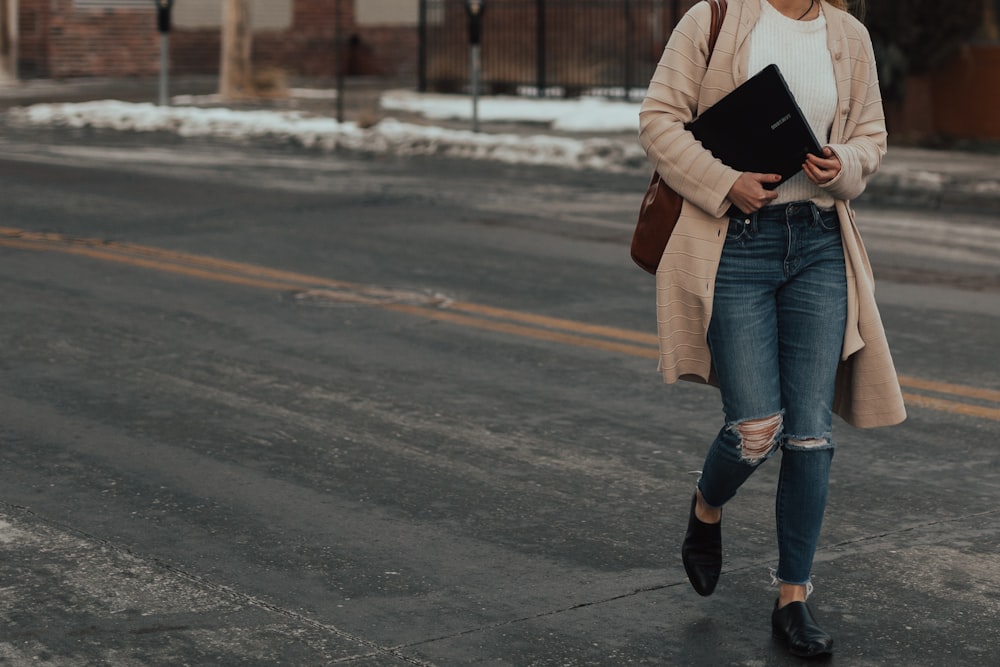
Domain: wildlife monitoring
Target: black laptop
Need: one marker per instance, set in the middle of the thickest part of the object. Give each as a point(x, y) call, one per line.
point(758, 127)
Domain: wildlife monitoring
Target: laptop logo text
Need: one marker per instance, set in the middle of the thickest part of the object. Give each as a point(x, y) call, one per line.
point(781, 121)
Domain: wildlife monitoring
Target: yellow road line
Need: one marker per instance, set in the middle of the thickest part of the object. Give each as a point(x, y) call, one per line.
point(947, 388)
point(489, 318)
point(526, 332)
point(115, 249)
point(150, 264)
point(955, 407)
point(556, 323)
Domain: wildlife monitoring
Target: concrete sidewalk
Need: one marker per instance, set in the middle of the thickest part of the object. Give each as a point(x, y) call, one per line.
point(909, 176)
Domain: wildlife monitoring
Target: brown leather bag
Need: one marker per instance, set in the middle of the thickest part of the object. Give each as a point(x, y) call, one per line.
point(661, 207)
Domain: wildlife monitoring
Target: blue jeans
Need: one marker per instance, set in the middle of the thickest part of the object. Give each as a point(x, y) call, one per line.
point(776, 335)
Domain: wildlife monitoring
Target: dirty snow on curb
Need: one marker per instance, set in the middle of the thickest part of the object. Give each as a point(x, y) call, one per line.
point(586, 114)
point(387, 136)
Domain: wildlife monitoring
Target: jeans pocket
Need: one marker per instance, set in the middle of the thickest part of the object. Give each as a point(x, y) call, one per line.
point(739, 230)
point(829, 221)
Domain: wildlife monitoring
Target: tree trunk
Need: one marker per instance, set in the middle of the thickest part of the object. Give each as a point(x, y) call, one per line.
point(8, 41)
point(235, 76)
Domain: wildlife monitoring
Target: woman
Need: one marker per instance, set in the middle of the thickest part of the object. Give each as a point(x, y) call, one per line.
point(768, 292)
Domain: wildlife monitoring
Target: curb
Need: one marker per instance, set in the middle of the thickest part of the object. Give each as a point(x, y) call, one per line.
point(909, 177)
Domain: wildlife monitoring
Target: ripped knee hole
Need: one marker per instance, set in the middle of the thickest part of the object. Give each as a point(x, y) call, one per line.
point(807, 443)
point(758, 436)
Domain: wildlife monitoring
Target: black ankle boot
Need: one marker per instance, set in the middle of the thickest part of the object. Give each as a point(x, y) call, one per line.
point(702, 552)
point(794, 624)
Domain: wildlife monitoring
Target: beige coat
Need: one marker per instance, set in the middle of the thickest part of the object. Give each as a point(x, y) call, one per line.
point(868, 392)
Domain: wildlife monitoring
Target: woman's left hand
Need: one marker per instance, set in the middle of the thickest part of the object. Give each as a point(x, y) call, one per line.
point(822, 169)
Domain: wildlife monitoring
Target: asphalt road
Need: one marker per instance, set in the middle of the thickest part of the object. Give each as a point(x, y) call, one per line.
point(264, 406)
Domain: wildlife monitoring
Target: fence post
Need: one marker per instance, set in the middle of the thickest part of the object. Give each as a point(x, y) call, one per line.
point(422, 48)
point(338, 40)
point(627, 90)
point(540, 46)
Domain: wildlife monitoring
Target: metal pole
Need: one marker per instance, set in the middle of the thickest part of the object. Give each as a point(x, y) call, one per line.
point(164, 67)
point(628, 52)
point(475, 8)
point(422, 49)
point(540, 47)
point(339, 41)
point(474, 66)
point(163, 9)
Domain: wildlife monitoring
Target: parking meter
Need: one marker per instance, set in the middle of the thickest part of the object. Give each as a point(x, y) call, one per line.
point(163, 8)
point(475, 9)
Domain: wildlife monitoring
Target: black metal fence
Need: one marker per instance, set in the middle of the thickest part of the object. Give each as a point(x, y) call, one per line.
point(552, 48)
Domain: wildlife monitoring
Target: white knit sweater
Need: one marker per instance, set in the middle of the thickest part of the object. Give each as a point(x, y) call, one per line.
point(799, 49)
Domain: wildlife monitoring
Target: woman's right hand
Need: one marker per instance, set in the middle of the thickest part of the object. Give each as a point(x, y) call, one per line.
point(749, 194)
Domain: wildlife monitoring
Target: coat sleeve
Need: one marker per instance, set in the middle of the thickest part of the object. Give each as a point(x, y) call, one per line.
point(672, 101)
point(865, 133)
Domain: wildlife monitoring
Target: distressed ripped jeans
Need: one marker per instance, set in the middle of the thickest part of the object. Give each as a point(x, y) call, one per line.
point(776, 335)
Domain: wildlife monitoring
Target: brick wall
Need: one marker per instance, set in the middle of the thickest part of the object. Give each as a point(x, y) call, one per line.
point(33, 21)
point(195, 51)
point(60, 40)
point(104, 42)
point(388, 51)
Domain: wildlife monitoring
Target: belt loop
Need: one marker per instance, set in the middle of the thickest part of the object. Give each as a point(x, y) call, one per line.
point(791, 209)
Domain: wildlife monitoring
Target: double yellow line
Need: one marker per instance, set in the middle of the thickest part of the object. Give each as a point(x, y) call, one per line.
point(941, 396)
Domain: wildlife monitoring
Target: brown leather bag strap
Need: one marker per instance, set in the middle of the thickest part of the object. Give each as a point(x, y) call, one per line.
point(719, 8)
